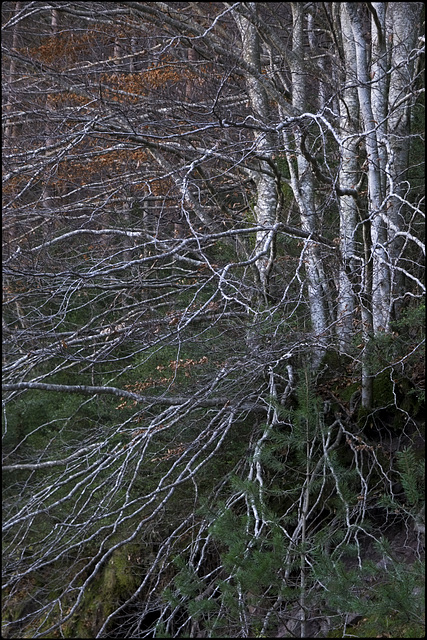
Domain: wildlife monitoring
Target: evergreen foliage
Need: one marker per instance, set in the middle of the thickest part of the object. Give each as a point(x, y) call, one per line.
point(412, 476)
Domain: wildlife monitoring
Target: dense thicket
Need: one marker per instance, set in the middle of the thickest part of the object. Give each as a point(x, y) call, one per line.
point(213, 319)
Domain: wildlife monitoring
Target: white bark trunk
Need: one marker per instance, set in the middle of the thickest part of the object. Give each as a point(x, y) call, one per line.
point(267, 198)
point(349, 118)
point(354, 50)
point(380, 272)
point(379, 84)
point(303, 189)
point(404, 20)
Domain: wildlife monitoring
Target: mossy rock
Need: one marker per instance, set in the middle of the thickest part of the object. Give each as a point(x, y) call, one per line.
point(116, 582)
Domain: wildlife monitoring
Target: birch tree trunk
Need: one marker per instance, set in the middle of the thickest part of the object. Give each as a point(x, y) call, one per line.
point(349, 118)
point(370, 310)
point(266, 198)
point(378, 76)
point(303, 188)
point(380, 272)
point(403, 19)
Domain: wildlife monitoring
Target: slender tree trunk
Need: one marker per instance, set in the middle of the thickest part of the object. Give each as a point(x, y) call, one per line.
point(189, 85)
point(349, 274)
point(380, 272)
point(303, 188)
point(353, 33)
point(404, 19)
point(267, 198)
point(10, 128)
point(48, 193)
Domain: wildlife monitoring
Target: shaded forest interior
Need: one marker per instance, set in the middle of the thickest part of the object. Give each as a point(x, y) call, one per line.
point(213, 319)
